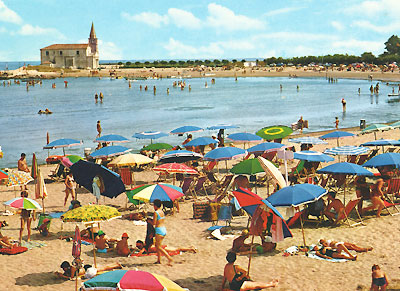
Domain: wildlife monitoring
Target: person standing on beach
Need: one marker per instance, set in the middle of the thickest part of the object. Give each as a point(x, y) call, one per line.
point(344, 104)
point(69, 187)
point(99, 129)
point(161, 232)
point(379, 279)
point(23, 167)
point(26, 218)
point(337, 122)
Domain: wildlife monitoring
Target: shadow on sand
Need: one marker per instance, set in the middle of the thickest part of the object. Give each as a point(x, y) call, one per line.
point(39, 279)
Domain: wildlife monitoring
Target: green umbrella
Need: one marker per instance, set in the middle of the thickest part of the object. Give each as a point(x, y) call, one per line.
point(74, 158)
point(376, 127)
point(396, 124)
point(274, 132)
point(247, 167)
point(158, 147)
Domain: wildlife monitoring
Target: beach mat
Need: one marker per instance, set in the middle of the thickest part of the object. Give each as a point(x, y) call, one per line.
point(32, 244)
point(13, 251)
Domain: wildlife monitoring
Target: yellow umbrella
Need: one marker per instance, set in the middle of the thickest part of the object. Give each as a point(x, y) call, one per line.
point(130, 160)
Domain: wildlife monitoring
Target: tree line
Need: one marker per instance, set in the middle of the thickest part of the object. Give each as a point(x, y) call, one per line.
point(390, 55)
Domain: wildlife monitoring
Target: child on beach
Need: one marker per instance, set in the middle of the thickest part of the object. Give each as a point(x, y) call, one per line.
point(101, 243)
point(336, 122)
point(44, 228)
point(379, 279)
point(69, 187)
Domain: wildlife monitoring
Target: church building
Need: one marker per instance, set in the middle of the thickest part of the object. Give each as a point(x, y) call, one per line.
point(77, 56)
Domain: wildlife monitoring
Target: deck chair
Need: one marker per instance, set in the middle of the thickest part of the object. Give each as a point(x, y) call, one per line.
point(373, 153)
point(352, 159)
point(391, 150)
point(393, 187)
point(270, 155)
point(211, 165)
point(344, 216)
point(296, 171)
point(187, 185)
point(200, 186)
point(58, 173)
point(362, 159)
point(294, 219)
point(391, 204)
point(222, 189)
point(126, 176)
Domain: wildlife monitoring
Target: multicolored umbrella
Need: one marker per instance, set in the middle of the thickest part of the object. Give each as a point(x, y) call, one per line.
point(111, 138)
point(274, 132)
point(307, 140)
point(18, 178)
point(201, 141)
point(224, 153)
point(161, 191)
point(130, 280)
point(23, 203)
point(346, 151)
point(265, 146)
point(247, 167)
point(91, 213)
point(157, 147)
point(186, 129)
point(110, 151)
point(173, 168)
point(69, 160)
point(130, 160)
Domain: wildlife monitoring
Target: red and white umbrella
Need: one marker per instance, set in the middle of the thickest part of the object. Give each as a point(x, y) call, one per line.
point(174, 168)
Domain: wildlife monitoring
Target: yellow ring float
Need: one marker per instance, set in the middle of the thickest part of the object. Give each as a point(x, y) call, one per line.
point(275, 130)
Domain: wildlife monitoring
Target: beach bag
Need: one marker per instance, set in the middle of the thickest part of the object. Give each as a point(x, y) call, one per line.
point(200, 209)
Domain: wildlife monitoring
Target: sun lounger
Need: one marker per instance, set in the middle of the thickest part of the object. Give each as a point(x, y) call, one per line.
point(362, 159)
point(351, 205)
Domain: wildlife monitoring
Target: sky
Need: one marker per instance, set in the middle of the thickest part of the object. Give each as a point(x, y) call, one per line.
point(198, 29)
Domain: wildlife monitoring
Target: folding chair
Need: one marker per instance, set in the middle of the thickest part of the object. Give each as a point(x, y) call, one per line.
point(126, 176)
point(352, 159)
point(344, 216)
point(292, 220)
point(200, 186)
point(362, 159)
point(187, 185)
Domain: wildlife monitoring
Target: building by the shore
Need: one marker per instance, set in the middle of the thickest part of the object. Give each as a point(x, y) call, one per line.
point(81, 56)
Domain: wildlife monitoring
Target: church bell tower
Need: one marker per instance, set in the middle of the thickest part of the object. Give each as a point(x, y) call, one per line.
point(93, 40)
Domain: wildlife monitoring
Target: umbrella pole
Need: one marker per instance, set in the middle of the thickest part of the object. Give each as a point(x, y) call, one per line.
point(251, 251)
point(302, 230)
point(226, 165)
point(375, 134)
point(344, 191)
point(94, 248)
point(64, 151)
point(43, 205)
point(337, 141)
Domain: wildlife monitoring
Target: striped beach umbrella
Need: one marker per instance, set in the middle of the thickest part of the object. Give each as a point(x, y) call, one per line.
point(376, 127)
point(346, 151)
point(307, 140)
point(265, 146)
point(130, 280)
point(312, 156)
point(161, 191)
point(23, 203)
point(150, 134)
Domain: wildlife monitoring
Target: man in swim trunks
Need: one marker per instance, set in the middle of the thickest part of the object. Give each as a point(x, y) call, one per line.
point(100, 242)
point(334, 208)
point(161, 232)
point(23, 166)
point(238, 279)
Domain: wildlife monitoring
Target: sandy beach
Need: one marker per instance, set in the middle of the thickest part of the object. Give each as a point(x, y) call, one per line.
point(33, 270)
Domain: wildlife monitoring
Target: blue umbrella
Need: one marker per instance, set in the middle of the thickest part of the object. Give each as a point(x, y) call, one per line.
point(244, 137)
point(382, 142)
point(84, 172)
point(222, 126)
point(150, 135)
point(265, 146)
point(179, 156)
point(307, 140)
point(296, 195)
point(111, 138)
point(63, 143)
point(337, 134)
point(345, 169)
point(346, 150)
point(224, 153)
point(312, 156)
point(387, 159)
point(110, 151)
point(185, 129)
point(201, 141)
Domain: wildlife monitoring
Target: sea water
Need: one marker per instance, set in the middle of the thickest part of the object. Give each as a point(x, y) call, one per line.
point(250, 103)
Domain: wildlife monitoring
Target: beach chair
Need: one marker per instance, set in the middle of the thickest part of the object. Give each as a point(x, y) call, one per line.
point(352, 159)
point(270, 155)
point(126, 176)
point(296, 218)
point(222, 189)
point(393, 187)
point(210, 166)
point(58, 173)
point(373, 153)
point(391, 204)
point(187, 185)
point(296, 171)
point(200, 186)
point(344, 216)
point(362, 159)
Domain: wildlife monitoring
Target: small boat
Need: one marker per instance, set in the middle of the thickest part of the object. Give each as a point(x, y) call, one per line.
point(394, 94)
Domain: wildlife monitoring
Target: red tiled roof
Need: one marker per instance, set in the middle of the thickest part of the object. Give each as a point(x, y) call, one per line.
point(66, 46)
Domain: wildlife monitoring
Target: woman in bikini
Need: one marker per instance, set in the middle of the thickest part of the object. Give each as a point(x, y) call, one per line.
point(238, 278)
point(329, 253)
point(379, 279)
point(343, 246)
point(161, 232)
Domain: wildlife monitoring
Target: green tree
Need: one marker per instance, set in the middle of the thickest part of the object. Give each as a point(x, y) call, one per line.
point(392, 46)
point(368, 57)
point(128, 63)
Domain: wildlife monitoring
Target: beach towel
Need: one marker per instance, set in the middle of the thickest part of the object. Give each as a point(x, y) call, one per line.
point(32, 244)
point(13, 251)
point(314, 256)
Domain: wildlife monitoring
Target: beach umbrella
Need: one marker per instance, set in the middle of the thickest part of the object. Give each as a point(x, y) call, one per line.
point(382, 142)
point(387, 159)
point(149, 135)
point(346, 169)
point(222, 126)
point(337, 134)
point(18, 178)
point(396, 124)
point(34, 168)
point(296, 195)
point(376, 127)
point(346, 150)
point(307, 140)
point(69, 160)
point(273, 171)
point(247, 167)
point(23, 203)
point(174, 168)
point(109, 151)
point(63, 143)
point(274, 132)
point(111, 138)
point(224, 153)
point(157, 147)
point(185, 129)
point(130, 160)
point(179, 156)
point(161, 191)
point(313, 156)
point(201, 141)
point(265, 146)
point(3, 175)
point(130, 280)
point(259, 209)
point(84, 172)
point(244, 137)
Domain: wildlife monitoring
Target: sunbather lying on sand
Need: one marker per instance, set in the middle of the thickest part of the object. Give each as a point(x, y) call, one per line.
point(345, 246)
point(70, 271)
point(140, 249)
point(328, 253)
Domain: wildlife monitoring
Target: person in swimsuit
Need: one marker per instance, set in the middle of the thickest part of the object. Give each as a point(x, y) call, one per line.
point(328, 253)
point(362, 191)
point(343, 246)
point(376, 197)
point(334, 208)
point(238, 278)
point(161, 232)
point(26, 218)
point(101, 243)
point(379, 279)
point(69, 187)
